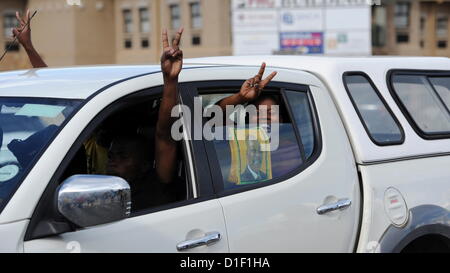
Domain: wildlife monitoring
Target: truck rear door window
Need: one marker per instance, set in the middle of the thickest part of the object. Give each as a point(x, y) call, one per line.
point(378, 120)
point(425, 102)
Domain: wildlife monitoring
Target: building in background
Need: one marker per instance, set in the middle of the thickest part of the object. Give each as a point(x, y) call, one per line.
point(17, 57)
point(338, 27)
point(415, 28)
point(129, 31)
point(116, 31)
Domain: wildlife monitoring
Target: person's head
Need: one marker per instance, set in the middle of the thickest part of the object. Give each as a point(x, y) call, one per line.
point(129, 157)
point(266, 112)
point(254, 155)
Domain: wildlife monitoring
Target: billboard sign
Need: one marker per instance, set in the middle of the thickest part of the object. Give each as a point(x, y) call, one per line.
point(304, 42)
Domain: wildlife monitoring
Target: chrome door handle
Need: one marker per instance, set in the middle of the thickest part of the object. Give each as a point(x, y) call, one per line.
point(339, 205)
point(210, 238)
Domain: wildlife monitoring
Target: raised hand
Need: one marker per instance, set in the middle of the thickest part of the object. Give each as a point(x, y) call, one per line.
point(252, 87)
point(24, 30)
point(172, 56)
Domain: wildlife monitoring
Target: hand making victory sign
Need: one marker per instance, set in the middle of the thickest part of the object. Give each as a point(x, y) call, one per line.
point(250, 90)
point(23, 34)
point(172, 56)
point(252, 87)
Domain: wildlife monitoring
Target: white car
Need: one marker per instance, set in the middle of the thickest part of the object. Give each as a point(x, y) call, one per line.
point(362, 165)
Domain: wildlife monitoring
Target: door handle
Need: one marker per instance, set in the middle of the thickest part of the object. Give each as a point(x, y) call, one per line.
point(339, 205)
point(210, 238)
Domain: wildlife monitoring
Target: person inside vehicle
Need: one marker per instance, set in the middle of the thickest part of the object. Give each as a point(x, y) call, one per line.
point(130, 157)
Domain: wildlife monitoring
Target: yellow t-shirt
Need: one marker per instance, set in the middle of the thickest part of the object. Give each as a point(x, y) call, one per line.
point(97, 156)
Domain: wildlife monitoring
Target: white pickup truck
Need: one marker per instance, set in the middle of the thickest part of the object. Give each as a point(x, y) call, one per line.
point(363, 163)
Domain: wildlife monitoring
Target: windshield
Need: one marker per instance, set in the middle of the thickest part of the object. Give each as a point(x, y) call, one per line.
point(27, 125)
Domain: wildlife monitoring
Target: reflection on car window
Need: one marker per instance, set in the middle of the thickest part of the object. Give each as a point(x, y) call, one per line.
point(26, 127)
point(302, 116)
point(442, 86)
point(380, 124)
point(244, 162)
point(422, 102)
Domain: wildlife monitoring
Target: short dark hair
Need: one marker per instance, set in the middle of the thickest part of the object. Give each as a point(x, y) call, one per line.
point(141, 145)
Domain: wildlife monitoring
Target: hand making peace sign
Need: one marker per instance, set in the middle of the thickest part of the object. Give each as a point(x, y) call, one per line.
point(252, 87)
point(24, 30)
point(172, 56)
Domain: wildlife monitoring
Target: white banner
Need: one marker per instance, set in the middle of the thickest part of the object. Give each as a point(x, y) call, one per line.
point(301, 20)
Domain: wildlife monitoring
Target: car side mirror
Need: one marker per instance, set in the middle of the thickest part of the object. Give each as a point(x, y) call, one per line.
point(90, 200)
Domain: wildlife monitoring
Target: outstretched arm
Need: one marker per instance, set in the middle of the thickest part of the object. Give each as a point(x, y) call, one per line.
point(166, 147)
point(23, 34)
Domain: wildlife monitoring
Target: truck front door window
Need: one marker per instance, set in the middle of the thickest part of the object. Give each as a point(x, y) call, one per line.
point(27, 126)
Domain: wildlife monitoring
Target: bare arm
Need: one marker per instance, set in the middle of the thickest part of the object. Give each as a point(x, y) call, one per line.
point(166, 147)
point(23, 34)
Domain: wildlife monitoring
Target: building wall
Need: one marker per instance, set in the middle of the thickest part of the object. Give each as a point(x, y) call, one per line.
point(93, 33)
point(215, 32)
point(422, 41)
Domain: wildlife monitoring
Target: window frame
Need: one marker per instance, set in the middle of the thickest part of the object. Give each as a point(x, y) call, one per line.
point(8, 17)
point(196, 14)
point(218, 86)
point(383, 101)
point(173, 18)
point(417, 72)
point(142, 21)
point(47, 213)
point(127, 23)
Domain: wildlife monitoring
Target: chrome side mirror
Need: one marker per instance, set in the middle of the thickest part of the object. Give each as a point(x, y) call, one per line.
point(90, 200)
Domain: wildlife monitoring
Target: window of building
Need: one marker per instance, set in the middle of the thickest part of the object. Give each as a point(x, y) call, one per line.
point(10, 46)
point(402, 37)
point(442, 30)
point(9, 23)
point(145, 43)
point(144, 19)
point(379, 26)
point(127, 21)
point(441, 26)
point(175, 16)
point(423, 21)
point(128, 44)
point(423, 100)
point(402, 12)
point(374, 113)
point(442, 44)
point(196, 40)
point(196, 16)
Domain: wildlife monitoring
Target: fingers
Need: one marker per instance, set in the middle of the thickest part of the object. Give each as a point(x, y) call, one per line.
point(261, 70)
point(176, 41)
point(268, 79)
point(165, 39)
point(28, 16)
point(21, 21)
point(177, 54)
point(15, 32)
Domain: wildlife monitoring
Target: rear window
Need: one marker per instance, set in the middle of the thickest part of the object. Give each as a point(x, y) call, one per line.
point(425, 100)
point(378, 120)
